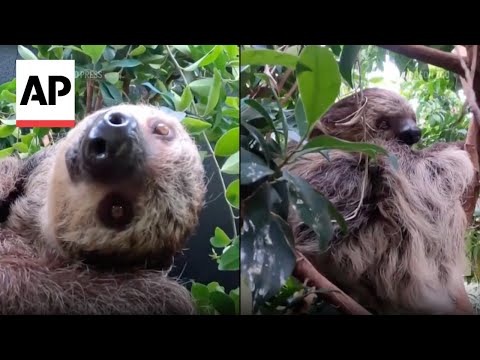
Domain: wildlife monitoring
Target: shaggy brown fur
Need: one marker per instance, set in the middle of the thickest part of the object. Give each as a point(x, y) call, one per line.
point(373, 114)
point(404, 251)
point(55, 223)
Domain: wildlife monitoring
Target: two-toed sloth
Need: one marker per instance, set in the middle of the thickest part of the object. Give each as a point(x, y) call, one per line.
point(404, 249)
point(91, 224)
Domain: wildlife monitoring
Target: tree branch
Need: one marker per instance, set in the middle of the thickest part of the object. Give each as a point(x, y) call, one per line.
point(305, 271)
point(471, 88)
point(429, 55)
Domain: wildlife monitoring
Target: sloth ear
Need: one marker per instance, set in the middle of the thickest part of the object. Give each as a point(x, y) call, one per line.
point(10, 179)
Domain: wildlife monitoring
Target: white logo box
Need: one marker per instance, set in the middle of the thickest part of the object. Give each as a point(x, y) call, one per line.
point(33, 113)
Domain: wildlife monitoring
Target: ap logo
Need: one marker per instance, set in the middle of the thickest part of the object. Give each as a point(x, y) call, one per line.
point(45, 93)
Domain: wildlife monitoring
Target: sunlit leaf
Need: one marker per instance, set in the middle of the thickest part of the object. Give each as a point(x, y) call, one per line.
point(229, 143)
point(267, 57)
point(320, 85)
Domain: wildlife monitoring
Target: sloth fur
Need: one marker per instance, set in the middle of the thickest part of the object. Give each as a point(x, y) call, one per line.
point(404, 249)
point(49, 225)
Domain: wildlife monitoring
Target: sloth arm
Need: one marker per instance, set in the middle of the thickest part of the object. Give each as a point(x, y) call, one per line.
point(10, 170)
point(31, 284)
point(13, 174)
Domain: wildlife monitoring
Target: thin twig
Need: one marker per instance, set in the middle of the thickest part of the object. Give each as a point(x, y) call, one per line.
point(283, 79)
point(305, 271)
point(428, 55)
point(467, 83)
point(472, 138)
point(289, 94)
point(212, 152)
point(98, 100)
point(89, 95)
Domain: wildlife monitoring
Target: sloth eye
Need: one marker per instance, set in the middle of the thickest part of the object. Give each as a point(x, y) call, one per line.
point(162, 129)
point(384, 125)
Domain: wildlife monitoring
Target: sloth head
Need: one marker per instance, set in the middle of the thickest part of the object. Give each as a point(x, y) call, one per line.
point(127, 187)
point(381, 114)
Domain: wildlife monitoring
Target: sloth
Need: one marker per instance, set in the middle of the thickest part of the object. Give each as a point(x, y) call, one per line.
point(90, 225)
point(403, 252)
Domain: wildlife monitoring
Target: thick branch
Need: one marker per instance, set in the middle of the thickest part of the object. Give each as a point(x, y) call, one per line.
point(429, 55)
point(471, 147)
point(305, 271)
point(472, 143)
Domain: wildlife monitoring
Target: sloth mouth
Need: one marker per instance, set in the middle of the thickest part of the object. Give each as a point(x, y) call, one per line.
point(115, 211)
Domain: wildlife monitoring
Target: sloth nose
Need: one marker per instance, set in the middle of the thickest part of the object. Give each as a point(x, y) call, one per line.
point(110, 150)
point(411, 135)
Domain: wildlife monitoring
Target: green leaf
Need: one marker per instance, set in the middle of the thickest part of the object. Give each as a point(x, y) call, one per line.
point(336, 49)
point(210, 57)
point(301, 118)
point(215, 286)
point(6, 130)
point(26, 53)
point(20, 147)
point(265, 233)
point(233, 193)
point(376, 79)
point(232, 102)
point(261, 110)
point(138, 50)
point(324, 142)
point(109, 54)
point(73, 47)
point(232, 164)
point(319, 87)
point(200, 292)
point(11, 86)
point(111, 95)
point(214, 93)
point(27, 139)
point(347, 60)
point(7, 96)
point(220, 240)
point(229, 143)
point(312, 208)
point(118, 47)
point(267, 57)
point(252, 168)
point(202, 86)
point(185, 100)
point(125, 63)
point(94, 51)
point(112, 77)
point(232, 51)
point(183, 49)
point(195, 126)
point(6, 152)
point(12, 122)
point(58, 52)
point(235, 296)
point(222, 303)
point(230, 259)
point(41, 132)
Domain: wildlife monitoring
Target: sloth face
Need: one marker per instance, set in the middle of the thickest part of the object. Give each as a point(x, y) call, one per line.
point(382, 114)
point(127, 187)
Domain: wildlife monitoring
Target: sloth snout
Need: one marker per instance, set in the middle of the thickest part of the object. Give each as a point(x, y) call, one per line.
point(411, 135)
point(111, 150)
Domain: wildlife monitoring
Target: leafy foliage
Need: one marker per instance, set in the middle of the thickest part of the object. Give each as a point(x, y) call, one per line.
point(284, 90)
point(197, 83)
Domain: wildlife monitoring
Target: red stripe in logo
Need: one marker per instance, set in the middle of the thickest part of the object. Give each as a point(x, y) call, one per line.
point(45, 123)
